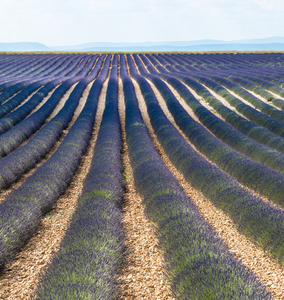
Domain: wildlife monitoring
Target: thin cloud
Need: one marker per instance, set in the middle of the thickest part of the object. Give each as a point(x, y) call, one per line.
point(70, 22)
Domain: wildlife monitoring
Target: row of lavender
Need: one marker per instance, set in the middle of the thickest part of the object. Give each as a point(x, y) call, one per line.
point(244, 208)
point(52, 178)
point(245, 170)
point(25, 157)
point(179, 223)
point(97, 220)
point(95, 237)
point(194, 254)
point(22, 209)
point(12, 118)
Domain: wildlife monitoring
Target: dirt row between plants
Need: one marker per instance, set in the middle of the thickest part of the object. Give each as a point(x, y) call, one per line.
point(253, 257)
point(262, 98)
point(218, 97)
point(192, 115)
point(29, 97)
point(20, 277)
point(63, 100)
point(5, 192)
point(142, 276)
point(143, 273)
point(23, 102)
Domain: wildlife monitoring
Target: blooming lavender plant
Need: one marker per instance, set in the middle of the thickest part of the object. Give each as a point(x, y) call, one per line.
point(260, 221)
point(198, 262)
point(95, 238)
point(49, 181)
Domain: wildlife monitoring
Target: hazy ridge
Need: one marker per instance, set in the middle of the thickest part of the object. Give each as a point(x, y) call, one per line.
point(266, 44)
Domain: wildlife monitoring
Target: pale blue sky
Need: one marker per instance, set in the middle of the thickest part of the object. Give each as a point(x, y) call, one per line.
point(70, 22)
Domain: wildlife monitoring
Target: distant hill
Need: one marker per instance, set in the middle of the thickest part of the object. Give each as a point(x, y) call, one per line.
point(269, 40)
point(211, 47)
point(23, 46)
point(109, 45)
point(271, 43)
point(266, 44)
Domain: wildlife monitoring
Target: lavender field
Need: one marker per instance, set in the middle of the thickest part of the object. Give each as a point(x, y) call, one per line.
point(198, 138)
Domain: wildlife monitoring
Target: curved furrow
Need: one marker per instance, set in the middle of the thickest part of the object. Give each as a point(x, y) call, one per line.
point(179, 224)
point(253, 257)
point(20, 277)
point(23, 208)
point(179, 134)
point(243, 207)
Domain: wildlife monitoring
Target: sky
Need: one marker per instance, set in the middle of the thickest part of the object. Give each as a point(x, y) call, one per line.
point(72, 22)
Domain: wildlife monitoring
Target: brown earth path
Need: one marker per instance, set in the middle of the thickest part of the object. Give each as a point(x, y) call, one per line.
point(191, 114)
point(20, 277)
point(253, 257)
point(4, 192)
point(143, 274)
